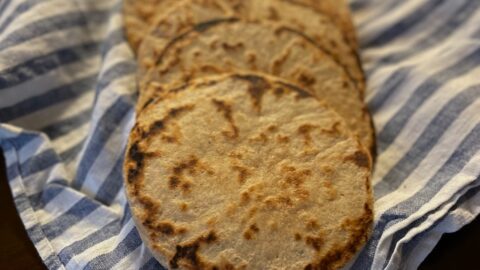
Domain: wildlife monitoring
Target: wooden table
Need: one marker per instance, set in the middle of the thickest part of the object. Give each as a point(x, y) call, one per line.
point(455, 251)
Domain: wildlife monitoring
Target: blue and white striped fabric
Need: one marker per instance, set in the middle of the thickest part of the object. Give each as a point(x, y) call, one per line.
point(67, 90)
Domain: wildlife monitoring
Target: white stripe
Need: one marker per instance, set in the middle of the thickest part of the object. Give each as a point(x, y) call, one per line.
point(425, 27)
point(99, 218)
point(45, 250)
point(8, 10)
point(455, 219)
point(418, 122)
point(71, 167)
point(39, 12)
point(113, 54)
point(468, 28)
point(34, 183)
point(465, 177)
point(452, 190)
point(432, 218)
point(388, 19)
point(447, 144)
point(424, 68)
point(70, 139)
point(48, 115)
point(115, 22)
point(32, 148)
point(105, 100)
point(28, 216)
point(375, 9)
point(135, 259)
point(119, 203)
point(46, 44)
point(118, 87)
point(58, 77)
point(59, 205)
point(54, 8)
point(80, 260)
point(9, 131)
point(106, 160)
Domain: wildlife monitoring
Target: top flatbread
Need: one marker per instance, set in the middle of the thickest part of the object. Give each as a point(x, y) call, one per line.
point(315, 25)
point(247, 172)
point(230, 45)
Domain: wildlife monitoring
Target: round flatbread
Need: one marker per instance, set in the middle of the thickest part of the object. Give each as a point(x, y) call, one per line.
point(316, 26)
point(228, 45)
point(245, 171)
point(140, 14)
point(338, 11)
point(138, 17)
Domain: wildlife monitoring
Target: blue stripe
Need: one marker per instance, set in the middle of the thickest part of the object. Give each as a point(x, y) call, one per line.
point(71, 152)
point(405, 24)
point(379, 12)
point(5, 144)
point(46, 63)
point(105, 127)
point(21, 202)
point(72, 216)
point(49, 192)
point(110, 230)
point(458, 18)
point(12, 170)
point(410, 245)
point(422, 93)
point(127, 214)
point(52, 262)
point(393, 83)
point(39, 162)
point(109, 260)
point(401, 233)
point(359, 5)
point(19, 10)
point(152, 264)
point(52, 97)
point(66, 125)
point(426, 142)
point(113, 39)
point(112, 184)
point(3, 6)
point(23, 139)
point(35, 233)
point(455, 163)
point(117, 71)
point(52, 24)
point(477, 34)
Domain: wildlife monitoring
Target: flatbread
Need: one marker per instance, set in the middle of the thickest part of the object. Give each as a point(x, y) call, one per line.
point(138, 16)
point(339, 13)
point(140, 13)
point(246, 171)
point(303, 19)
point(229, 45)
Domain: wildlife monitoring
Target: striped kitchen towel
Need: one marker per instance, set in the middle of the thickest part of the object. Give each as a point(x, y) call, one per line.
point(67, 91)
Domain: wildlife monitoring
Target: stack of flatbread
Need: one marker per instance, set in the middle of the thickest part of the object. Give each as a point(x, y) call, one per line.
point(252, 143)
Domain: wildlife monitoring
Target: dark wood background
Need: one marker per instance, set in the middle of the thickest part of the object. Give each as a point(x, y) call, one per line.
point(459, 250)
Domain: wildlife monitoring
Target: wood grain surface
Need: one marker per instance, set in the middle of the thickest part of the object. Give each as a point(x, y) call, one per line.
point(455, 251)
